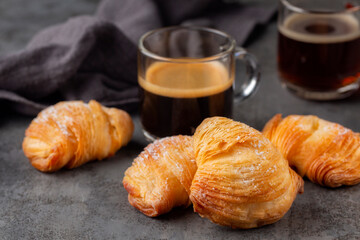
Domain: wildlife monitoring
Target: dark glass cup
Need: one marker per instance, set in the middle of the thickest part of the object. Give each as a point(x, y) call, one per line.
point(319, 48)
point(186, 74)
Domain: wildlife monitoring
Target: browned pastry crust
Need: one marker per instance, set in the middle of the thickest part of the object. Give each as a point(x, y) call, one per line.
point(160, 177)
point(72, 133)
point(242, 180)
point(327, 153)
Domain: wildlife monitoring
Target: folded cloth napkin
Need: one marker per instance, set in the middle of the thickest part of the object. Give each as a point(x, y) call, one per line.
point(94, 57)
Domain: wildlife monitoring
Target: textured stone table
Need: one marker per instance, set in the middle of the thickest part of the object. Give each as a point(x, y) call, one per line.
point(90, 202)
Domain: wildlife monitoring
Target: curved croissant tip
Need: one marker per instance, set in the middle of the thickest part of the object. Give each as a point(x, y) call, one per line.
point(130, 127)
point(334, 180)
point(123, 124)
point(135, 200)
point(45, 165)
point(40, 155)
point(150, 211)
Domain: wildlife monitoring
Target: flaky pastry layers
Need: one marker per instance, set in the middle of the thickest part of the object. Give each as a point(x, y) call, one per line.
point(242, 180)
point(72, 133)
point(160, 177)
point(327, 153)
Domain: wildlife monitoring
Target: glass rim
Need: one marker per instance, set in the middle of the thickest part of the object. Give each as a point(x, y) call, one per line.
point(297, 9)
point(153, 55)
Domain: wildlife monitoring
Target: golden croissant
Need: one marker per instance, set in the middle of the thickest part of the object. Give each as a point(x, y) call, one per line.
point(72, 133)
point(242, 180)
point(327, 153)
point(160, 177)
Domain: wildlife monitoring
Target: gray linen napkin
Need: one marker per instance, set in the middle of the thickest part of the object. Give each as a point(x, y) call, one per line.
point(94, 57)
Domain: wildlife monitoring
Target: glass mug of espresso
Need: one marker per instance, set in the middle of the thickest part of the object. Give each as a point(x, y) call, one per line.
point(186, 74)
point(319, 48)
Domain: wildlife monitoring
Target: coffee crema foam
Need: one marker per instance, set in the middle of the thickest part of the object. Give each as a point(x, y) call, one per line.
point(341, 28)
point(186, 79)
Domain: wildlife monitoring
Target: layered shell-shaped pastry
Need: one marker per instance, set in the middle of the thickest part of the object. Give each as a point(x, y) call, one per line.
point(242, 180)
point(327, 153)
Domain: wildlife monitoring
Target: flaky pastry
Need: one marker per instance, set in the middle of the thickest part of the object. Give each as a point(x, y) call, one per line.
point(160, 177)
point(242, 180)
point(72, 133)
point(327, 153)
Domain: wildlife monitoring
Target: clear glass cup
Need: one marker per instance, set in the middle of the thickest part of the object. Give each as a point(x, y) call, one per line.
point(186, 74)
point(319, 48)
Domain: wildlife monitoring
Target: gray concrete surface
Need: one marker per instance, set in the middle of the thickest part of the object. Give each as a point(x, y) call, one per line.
point(90, 202)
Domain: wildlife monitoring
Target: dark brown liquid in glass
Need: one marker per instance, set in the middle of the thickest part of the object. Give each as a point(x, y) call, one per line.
point(176, 97)
point(322, 55)
point(165, 116)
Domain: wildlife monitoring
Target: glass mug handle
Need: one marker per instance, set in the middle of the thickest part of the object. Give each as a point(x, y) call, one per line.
point(244, 90)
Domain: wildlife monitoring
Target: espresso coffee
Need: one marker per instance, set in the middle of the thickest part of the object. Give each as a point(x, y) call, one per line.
point(176, 97)
point(319, 52)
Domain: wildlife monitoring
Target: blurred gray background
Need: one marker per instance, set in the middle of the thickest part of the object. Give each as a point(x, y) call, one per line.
point(21, 19)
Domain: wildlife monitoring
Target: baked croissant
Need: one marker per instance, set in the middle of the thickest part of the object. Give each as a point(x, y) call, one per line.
point(160, 177)
point(327, 153)
point(242, 180)
point(72, 133)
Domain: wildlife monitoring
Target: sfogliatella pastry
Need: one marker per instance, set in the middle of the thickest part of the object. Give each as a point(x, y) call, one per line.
point(72, 133)
point(160, 177)
point(327, 153)
point(242, 180)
